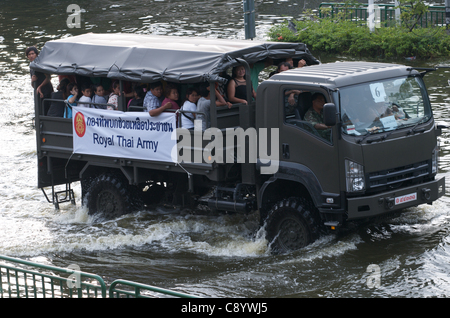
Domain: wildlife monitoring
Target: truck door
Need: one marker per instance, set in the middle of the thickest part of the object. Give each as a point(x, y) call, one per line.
point(302, 144)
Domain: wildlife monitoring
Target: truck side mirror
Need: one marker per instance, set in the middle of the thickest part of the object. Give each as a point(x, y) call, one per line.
point(329, 114)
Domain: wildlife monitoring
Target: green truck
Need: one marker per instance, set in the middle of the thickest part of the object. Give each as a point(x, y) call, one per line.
point(319, 147)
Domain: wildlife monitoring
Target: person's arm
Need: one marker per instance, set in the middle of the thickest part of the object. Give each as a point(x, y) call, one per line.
point(313, 120)
point(291, 93)
point(72, 99)
point(159, 110)
point(320, 126)
point(44, 82)
point(232, 91)
point(220, 101)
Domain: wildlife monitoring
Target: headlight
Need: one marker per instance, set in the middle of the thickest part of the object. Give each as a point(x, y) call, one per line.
point(435, 159)
point(354, 176)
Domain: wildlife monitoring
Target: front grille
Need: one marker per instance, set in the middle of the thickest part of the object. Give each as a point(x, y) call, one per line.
point(397, 177)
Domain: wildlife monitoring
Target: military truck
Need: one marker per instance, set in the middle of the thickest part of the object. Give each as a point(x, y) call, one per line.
point(370, 149)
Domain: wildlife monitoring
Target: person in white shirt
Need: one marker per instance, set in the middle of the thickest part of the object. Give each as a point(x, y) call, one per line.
point(86, 98)
point(187, 119)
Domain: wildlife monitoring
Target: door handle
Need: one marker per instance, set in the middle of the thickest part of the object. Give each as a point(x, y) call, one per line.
point(286, 152)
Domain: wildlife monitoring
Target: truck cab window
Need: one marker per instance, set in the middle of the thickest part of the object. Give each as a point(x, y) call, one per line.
point(299, 111)
point(386, 105)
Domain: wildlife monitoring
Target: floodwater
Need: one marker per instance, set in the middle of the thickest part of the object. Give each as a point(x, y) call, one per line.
point(219, 255)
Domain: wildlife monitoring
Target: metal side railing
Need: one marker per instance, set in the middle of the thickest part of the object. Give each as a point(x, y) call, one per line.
point(25, 279)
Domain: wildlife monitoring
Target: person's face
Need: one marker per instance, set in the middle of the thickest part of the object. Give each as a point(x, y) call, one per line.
point(240, 71)
point(290, 61)
point(173, 94)
point(283, 68)
point(319, 102)
point(157, 91)
point(194, 97)
point(117, 90)
point(87, 92)
point(31, 56)
point(100, 91)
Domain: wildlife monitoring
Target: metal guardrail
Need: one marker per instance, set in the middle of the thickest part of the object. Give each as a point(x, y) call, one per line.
point(434, 16)
point(17, 282)
point(141, 291)
point(33, 280)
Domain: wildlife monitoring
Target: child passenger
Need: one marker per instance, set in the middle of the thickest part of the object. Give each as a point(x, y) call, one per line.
point(187, 119)
point(139, 95)
point(86, 98)
point(114, 97)
point(71, 100)
point(98, 97)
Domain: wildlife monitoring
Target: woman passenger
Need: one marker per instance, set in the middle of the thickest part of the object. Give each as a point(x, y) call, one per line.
point(171, 94)
point(237, 86)
point(114, 97)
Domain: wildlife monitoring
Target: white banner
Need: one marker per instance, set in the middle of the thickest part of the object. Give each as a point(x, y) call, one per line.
point(130, 135)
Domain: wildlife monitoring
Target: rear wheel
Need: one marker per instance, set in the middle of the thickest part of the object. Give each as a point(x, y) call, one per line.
point(111, 196)
point(290, 225)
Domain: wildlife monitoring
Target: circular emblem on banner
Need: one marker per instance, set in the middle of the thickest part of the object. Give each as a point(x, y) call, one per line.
point(79, 124)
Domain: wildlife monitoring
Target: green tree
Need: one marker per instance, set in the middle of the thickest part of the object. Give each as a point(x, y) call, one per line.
point(411, 12)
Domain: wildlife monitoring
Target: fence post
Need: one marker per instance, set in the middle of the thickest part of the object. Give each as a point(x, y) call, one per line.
point(249, 19)
point(397, 12)
point(371, 20)
point(447, 15)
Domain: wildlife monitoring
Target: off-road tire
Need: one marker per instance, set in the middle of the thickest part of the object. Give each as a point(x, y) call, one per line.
point(291, 225)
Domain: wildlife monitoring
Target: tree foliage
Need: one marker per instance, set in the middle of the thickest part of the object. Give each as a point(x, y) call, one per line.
point(337, 35)
point(411, 12)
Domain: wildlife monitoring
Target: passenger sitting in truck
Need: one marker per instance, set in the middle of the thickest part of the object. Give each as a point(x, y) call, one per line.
point(283, 66)
point(152, 100)
point(171, 96)
point(203, 105)
point(315, 115)
point(237, 86)
point(57, 108)
point(138, 99)
point(86, 98)
point(187, 119)
point(256, 68)
point(114, 97)
point(98, 97)
point(72, 99)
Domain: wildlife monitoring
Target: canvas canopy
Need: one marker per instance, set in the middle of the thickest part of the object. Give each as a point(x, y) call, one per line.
point(150, 58)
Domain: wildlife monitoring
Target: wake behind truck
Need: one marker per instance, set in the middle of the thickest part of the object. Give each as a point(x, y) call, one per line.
point(375, 152)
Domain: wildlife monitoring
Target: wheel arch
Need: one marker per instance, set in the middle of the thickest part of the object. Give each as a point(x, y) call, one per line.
point(291, 180)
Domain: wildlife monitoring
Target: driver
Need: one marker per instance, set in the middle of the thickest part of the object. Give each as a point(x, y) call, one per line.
point(315, 115)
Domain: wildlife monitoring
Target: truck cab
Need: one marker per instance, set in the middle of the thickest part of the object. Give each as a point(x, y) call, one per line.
point(379, 153)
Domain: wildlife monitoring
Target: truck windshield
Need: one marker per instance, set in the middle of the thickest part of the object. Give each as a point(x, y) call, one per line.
point(385, 105)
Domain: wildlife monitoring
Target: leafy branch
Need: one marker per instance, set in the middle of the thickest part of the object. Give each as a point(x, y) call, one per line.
point(411, 12)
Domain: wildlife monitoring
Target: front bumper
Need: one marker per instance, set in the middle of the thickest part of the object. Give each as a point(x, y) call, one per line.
point(369, 206)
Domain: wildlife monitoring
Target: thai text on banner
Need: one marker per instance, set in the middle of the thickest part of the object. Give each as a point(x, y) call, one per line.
point(129, 135)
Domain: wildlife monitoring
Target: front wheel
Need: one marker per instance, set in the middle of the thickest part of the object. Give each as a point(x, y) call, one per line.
point(290, 225)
